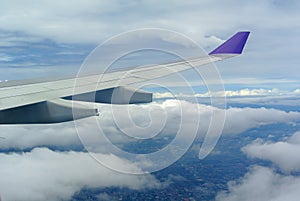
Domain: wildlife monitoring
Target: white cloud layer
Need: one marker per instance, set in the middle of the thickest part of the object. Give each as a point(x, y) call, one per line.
point(28, 136)
point(88, 21)
point(43, 174)
point(235, 93)
point(237, 120)
point(150, 118)
point(64, 135)
point(284, 154)
point(242, 119)
point(262, 184)
point(272, 23)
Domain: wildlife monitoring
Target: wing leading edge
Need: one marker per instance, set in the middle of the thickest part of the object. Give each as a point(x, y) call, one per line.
point(49, 101)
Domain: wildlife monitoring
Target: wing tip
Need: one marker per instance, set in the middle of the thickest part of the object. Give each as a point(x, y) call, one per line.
point(233, 45)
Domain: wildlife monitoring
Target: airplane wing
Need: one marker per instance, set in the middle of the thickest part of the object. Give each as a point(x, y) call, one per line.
point(31, 101)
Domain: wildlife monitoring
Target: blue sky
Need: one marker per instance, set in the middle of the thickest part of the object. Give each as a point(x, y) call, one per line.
point(53, 38)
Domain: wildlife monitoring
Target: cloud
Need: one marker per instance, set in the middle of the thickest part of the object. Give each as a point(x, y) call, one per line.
point(5, 58)
point(284, 154)
point(43, 174)
point(142, 121)
point(207, 22)
point(242, 119)
point(234, 93)
point(79, 22)
point(63, 173)
point(243, 92)
point(22, 137)
point(262, 184)
point(165, 118)
point(158, 95)
point(244, 82)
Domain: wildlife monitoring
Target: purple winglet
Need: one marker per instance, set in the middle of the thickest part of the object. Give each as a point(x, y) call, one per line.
point(234, 45)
